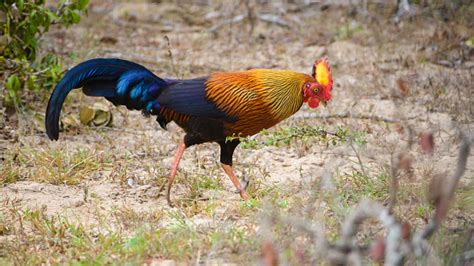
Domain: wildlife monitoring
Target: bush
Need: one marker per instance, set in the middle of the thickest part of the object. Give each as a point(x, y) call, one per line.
point(23, 23)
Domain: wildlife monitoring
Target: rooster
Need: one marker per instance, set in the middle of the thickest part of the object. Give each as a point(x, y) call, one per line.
point(208, 109)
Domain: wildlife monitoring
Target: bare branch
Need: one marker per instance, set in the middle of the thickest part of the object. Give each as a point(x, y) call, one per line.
point(170, 55)
point(443, 204)
point(277, 20)
point(351, 144)
point(235, 19)
point(393, 183)
point(399, 241)
point(348, 115)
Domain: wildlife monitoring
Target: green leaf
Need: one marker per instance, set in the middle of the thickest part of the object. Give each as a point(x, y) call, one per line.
point(82, 4)
point(470, 42)
point(19, 4)
point(268, 142)
point(75, 17)
point(52, 16)
point(31, 83)
point(13, 83)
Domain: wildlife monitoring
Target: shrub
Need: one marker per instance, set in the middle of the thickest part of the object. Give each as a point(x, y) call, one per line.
point(22, 24)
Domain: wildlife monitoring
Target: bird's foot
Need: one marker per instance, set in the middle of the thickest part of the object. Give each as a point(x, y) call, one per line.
point(168, 196)
point(243, 184)
point(170, 203)
point(244, 195)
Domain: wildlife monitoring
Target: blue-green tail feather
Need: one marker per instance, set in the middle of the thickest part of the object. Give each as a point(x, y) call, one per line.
point(119, 81)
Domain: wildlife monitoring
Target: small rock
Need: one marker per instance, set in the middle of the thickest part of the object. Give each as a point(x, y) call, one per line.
point(35, 187)
point(162, 262)
point(97, 175)
point(130, 182)
point(76, 203)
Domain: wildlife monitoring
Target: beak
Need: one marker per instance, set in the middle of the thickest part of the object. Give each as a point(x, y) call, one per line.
point(324, 103)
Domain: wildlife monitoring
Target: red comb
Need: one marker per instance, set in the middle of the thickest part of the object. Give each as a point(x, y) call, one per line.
point(325, 76)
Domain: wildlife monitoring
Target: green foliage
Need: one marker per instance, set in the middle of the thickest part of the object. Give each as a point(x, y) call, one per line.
point(354, 187)
point(22, 24)
point(470, 42)
point(314, 133)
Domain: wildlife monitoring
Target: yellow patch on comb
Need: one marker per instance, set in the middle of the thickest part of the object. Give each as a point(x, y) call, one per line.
point(322, 72)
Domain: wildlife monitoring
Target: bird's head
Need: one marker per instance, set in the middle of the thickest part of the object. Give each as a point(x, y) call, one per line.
point(318, 90)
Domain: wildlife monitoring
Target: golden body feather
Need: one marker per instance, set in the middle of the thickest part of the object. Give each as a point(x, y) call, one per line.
point(258, 98)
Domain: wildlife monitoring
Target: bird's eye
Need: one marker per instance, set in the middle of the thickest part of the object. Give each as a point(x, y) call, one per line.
point(307, 85)
point(315, 89)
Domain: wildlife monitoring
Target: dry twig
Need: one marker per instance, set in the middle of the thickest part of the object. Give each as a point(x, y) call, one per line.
point(399, 241)
point(349, 115)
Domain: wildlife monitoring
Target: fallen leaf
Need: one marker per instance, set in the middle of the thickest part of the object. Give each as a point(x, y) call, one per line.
point(403, 87)
point(377, 251)
point(97, 115)
point(269, 254)
point(101, 106)
point(101, 118)
point(406, 231)
point(427, 142)
point(404, 162)
point(86, 115)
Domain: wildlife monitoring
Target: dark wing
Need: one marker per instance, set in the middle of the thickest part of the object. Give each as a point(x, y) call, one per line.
point(189, 97)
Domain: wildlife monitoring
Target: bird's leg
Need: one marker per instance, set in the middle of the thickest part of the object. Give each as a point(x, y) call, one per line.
point(230, 173)
point(227, 151)
point(174, 168)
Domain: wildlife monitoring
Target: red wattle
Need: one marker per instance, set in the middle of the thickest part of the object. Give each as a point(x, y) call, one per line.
point(313, 102)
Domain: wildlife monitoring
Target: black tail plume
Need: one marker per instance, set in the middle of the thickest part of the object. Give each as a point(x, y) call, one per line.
point(121, 82)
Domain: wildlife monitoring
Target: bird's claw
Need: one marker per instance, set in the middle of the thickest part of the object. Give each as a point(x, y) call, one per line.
point(242, 190)
point(244, 195)
point(170, 203)
point(243, 184)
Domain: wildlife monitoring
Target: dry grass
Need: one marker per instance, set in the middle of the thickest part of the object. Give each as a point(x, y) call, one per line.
point(58, 165)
